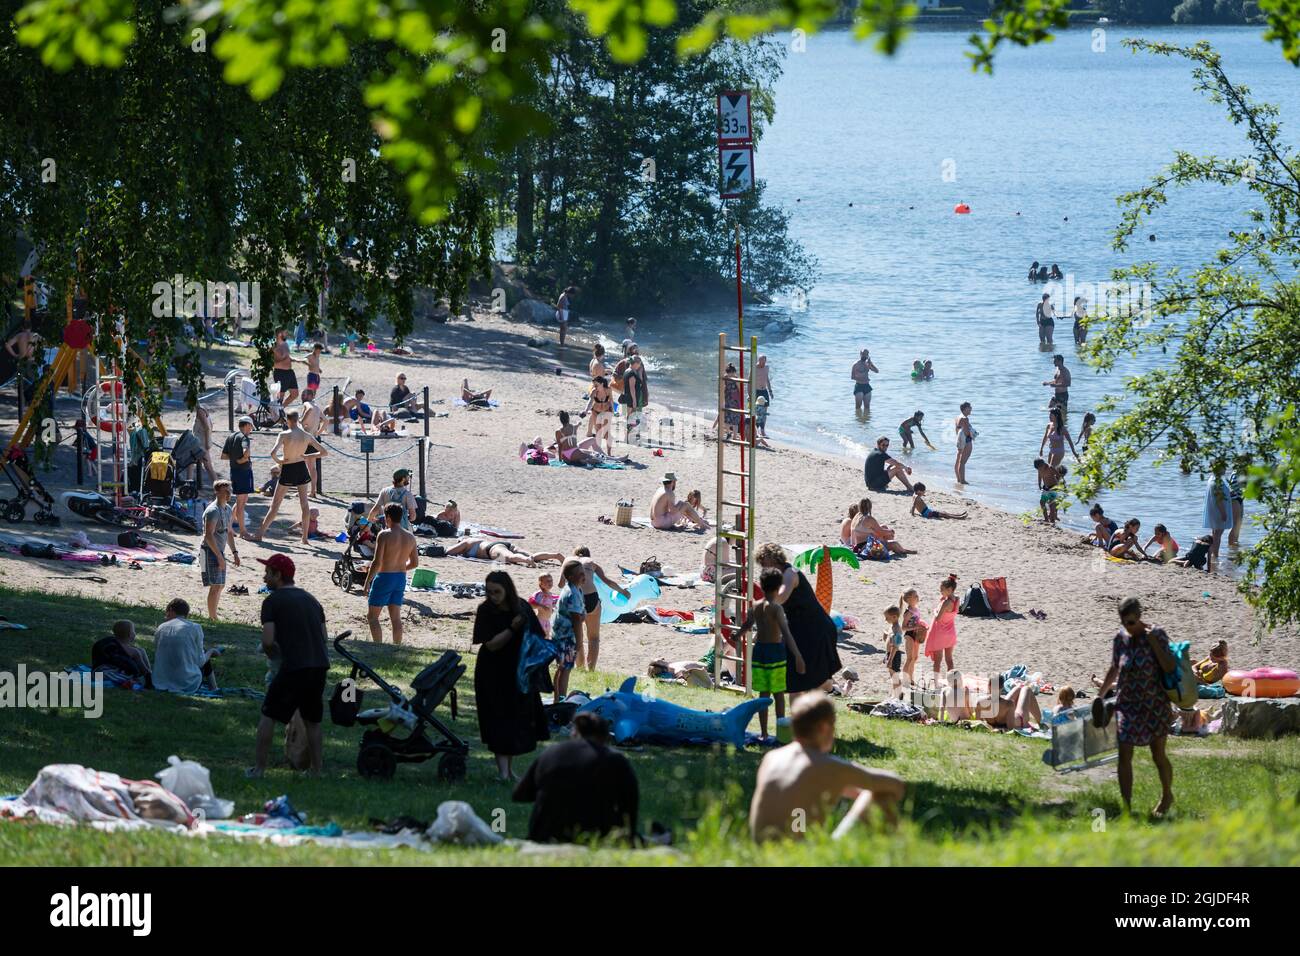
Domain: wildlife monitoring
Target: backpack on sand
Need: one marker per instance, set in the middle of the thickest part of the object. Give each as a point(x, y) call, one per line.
point(975, 604)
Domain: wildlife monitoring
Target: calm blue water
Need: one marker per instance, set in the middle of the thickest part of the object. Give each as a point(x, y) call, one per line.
point(857, 154)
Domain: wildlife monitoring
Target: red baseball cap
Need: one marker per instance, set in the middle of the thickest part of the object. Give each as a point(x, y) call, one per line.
point(281, 564)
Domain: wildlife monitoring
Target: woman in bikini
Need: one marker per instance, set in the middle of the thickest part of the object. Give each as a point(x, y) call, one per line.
point(965, 442)
point(846, 527)
point(1055, 436)
point(484, 549)
point(572, 451)
point(600, 406)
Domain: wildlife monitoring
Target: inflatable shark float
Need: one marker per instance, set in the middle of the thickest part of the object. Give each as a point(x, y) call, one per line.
point(634, 716)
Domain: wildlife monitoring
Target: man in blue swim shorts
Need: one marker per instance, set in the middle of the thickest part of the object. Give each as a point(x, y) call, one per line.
point(396, 553)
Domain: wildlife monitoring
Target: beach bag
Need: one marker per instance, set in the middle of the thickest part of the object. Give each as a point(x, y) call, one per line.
point(227, 450)
point(296, 749)
point(623, 514)
point(873, 549)
point(131, 539)
point(651, 566)
point(975, 604)
point(995, 592)
point(1180, 683)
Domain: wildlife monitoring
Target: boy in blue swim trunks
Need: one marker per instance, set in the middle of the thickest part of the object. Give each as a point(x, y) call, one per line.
point(919, 507)
point(773, 645)
point(396, 552)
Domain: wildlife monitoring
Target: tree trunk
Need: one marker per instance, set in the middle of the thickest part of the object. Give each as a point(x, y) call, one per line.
point(524, 201)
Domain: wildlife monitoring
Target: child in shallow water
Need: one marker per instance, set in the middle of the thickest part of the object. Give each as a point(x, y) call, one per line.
point(919, 507)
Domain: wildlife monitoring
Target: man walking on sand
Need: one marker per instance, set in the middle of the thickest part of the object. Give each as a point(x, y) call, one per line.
point(861, 375)
point(800, 783)
point(396, 552)
point(667, 513)
point(295, 452)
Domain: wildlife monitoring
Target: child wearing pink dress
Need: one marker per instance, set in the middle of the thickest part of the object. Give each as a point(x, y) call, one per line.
point(942, 637)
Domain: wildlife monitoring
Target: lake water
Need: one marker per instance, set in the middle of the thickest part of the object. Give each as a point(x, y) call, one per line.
point(1039, 151)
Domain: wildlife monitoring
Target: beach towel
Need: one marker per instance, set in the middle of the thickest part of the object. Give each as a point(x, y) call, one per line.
point(558, 462)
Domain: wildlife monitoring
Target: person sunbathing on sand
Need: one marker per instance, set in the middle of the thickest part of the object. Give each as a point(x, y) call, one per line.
point(570, 449)
point(846, 526)
point(487, 549)
point(669, 514)
point(865, 526)
point(1014, 710)
point(919, 507)
point(471, 397)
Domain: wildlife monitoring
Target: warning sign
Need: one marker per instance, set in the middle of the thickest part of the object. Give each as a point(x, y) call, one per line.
point(735, 124)
point(737, 164)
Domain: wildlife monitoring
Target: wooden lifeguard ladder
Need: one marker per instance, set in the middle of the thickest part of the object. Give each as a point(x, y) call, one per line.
point(733, 549)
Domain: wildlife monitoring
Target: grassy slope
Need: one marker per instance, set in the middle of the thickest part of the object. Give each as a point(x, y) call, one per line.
point(973, 797)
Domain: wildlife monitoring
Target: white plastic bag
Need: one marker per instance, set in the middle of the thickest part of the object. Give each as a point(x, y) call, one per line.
point(192, 782)
point(458, 823)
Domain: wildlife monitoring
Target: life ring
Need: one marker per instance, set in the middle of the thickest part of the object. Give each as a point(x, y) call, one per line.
point(961, 209)
point(1262, 682)
point(113, 388)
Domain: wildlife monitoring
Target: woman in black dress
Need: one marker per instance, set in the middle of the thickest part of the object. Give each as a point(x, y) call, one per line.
point(509, 723)
point(812, 628)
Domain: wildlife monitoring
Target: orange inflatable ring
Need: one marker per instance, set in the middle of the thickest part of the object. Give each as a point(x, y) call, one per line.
point(1262, 682)
point(961, 209)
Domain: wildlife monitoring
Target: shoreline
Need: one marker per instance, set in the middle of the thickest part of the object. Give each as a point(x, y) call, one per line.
point(802, 495)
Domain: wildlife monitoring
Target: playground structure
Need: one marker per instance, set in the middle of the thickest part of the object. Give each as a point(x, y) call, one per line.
point(104, 416)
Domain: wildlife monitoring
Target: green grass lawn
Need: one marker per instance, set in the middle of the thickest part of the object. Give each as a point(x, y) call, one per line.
point(974, 798)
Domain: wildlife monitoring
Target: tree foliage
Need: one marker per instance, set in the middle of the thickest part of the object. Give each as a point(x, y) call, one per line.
point(620, 194)
point(161, 168)
point(1226, 400)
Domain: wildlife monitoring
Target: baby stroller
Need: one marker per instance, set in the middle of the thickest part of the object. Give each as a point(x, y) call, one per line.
point(382, 749)
point(159, 494)
point(350, 569)
point(18, 469)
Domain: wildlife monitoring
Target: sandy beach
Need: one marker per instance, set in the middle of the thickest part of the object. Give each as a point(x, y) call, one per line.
point(801, 498)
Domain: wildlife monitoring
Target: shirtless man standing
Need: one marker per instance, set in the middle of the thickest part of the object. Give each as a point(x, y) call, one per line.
point(294, 452)
point(800, 783)
point(591, 600)
point(22, 346)
point(282, 369)
point(312, 420)
point(667, 513)
point(861, 375)
point(396, 552)
point(1060, 383)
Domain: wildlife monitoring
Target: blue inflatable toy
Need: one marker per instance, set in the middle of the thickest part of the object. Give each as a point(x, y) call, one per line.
point(636, 716)
point(643, 588)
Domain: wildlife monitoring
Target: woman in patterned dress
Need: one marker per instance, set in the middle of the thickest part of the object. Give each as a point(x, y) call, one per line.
point(1139, 656)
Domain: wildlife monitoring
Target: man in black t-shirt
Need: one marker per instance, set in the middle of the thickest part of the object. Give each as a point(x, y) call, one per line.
point(293, 633)
point(580, 787)
point(879, 468)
